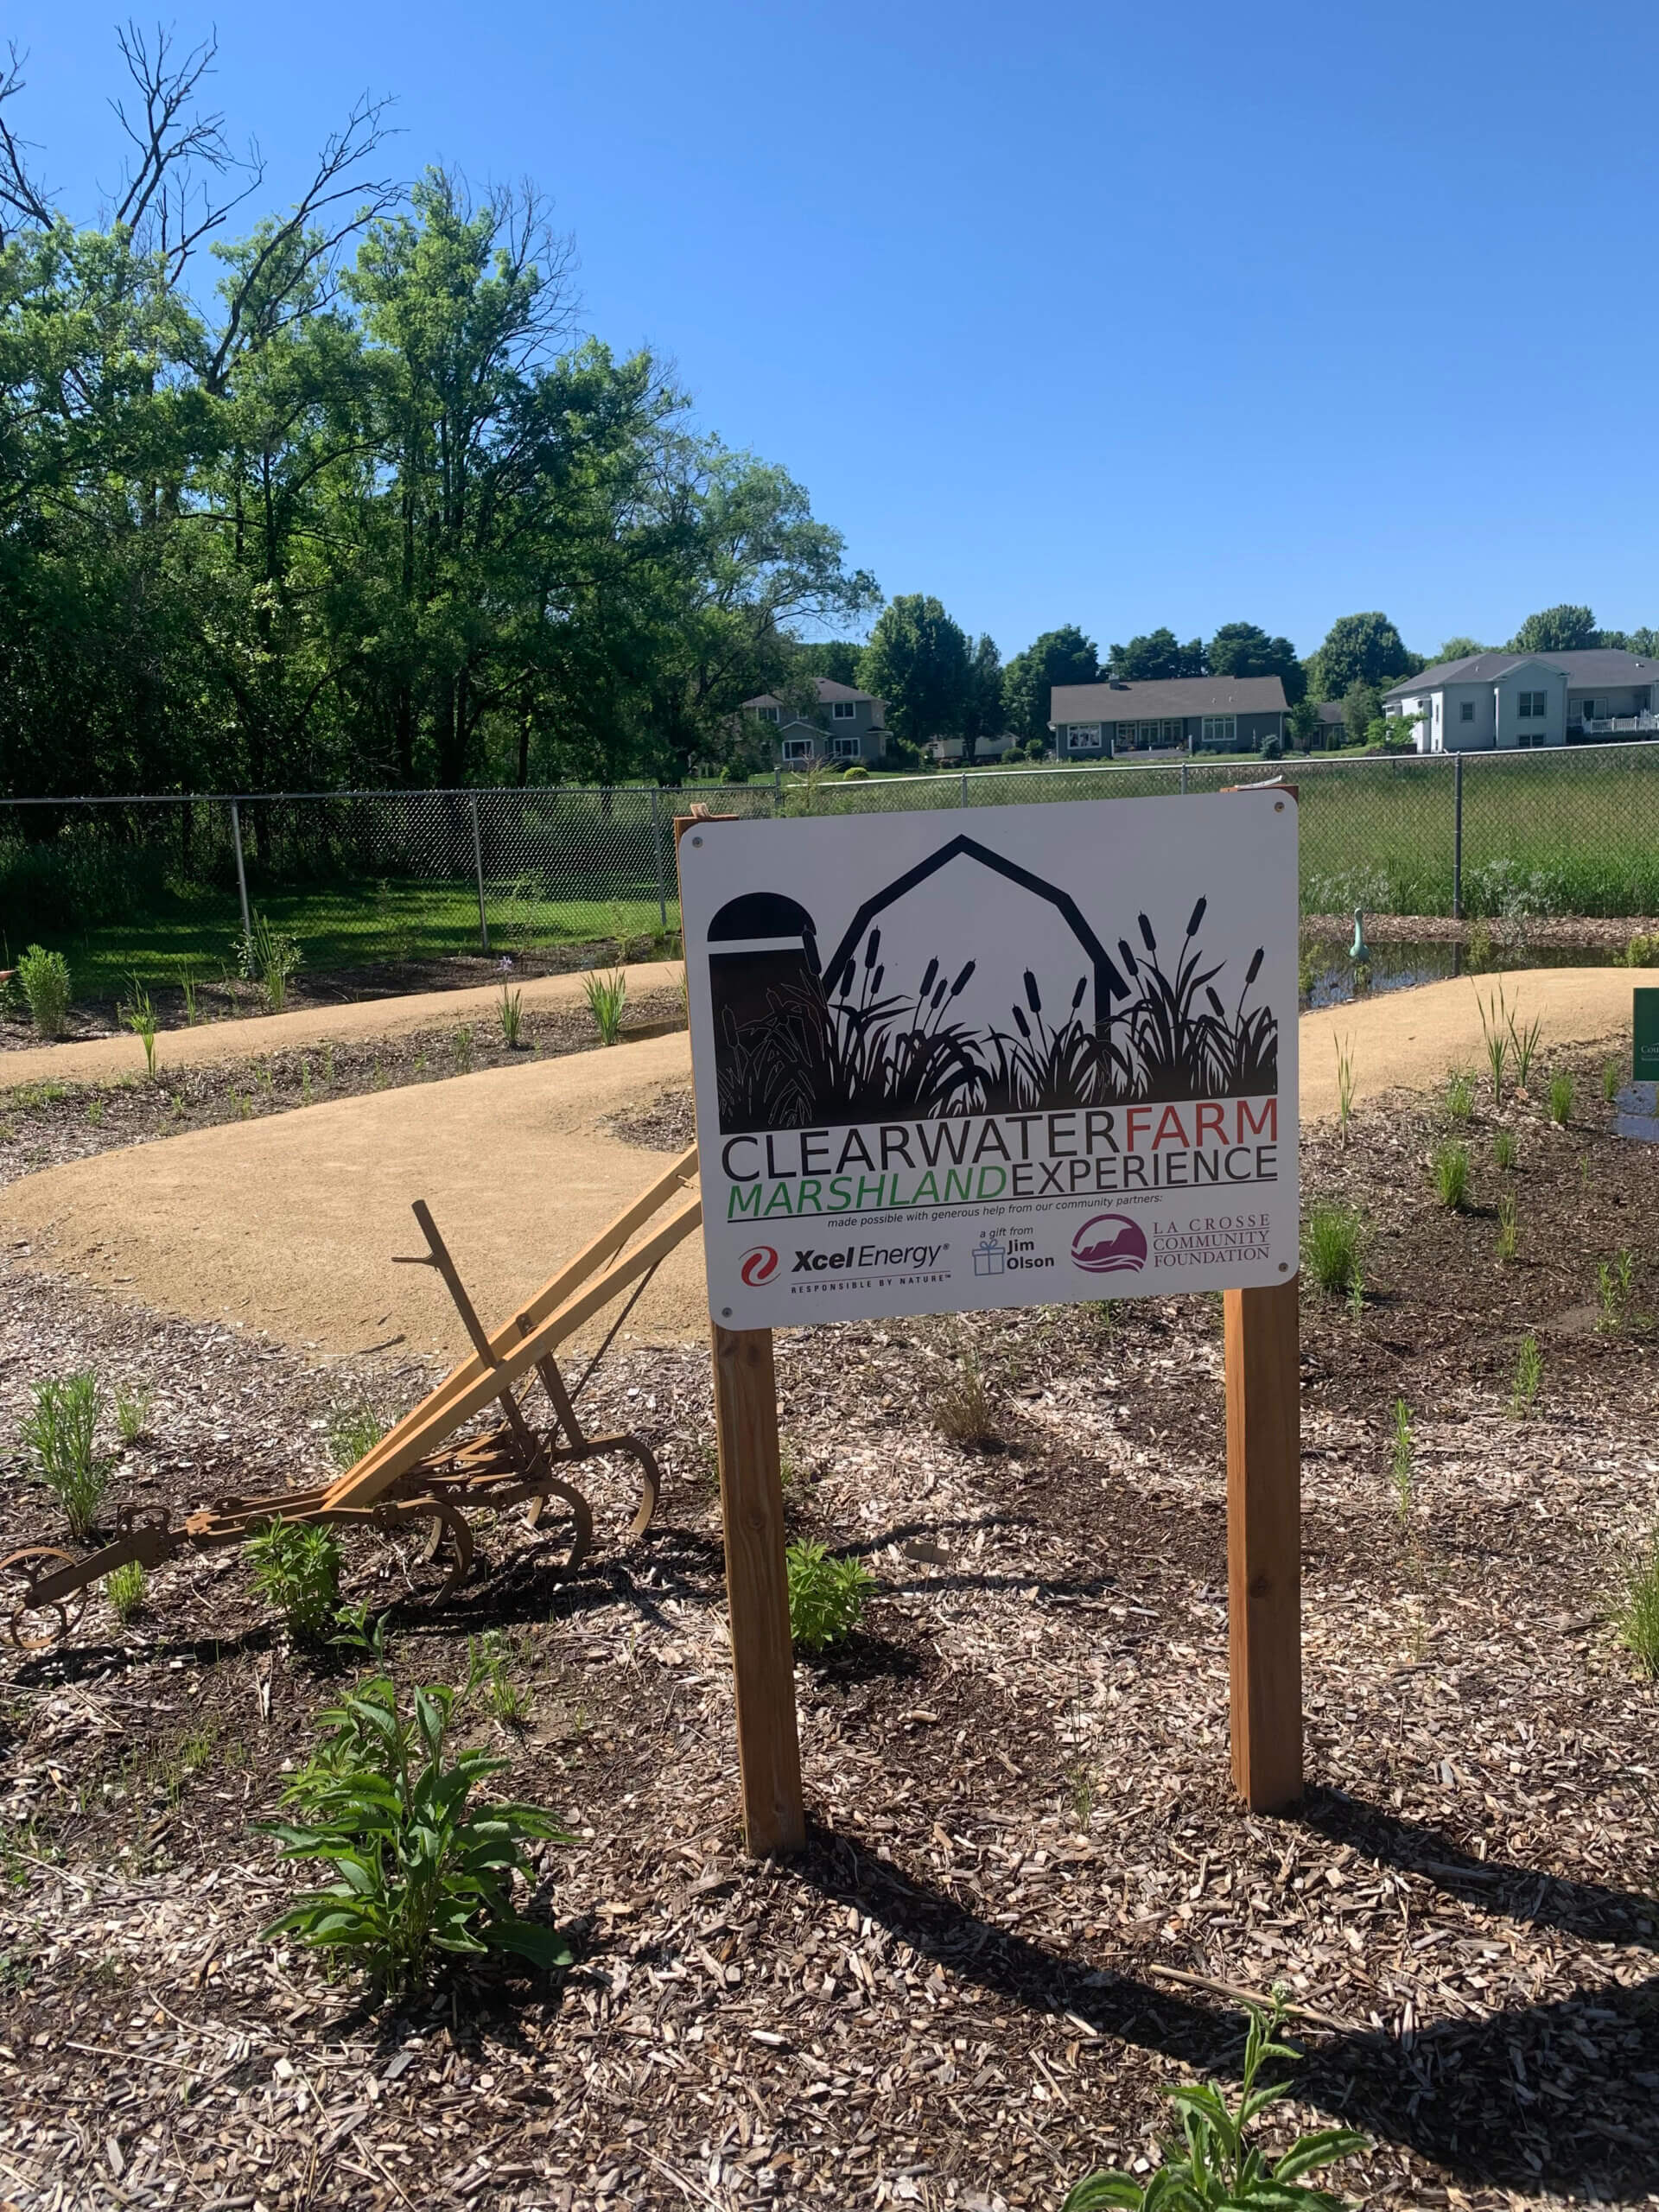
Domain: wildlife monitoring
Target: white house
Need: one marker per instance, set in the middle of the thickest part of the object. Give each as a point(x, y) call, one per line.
point(1492, 702)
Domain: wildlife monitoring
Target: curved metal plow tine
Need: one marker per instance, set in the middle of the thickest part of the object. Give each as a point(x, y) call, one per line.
point(581, 1513)
point(68, 1604)
point(651, 1485)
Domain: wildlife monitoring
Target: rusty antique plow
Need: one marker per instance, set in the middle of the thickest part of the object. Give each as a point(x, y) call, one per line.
point(413, 1491)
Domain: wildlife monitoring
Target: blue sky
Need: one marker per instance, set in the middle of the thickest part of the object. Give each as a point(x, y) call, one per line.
point(1109, 315)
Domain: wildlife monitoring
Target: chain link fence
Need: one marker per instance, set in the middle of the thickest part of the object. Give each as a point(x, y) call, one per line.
point(164, 886)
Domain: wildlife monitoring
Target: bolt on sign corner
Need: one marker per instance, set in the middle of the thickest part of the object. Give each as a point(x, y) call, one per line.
point(1018, 1056)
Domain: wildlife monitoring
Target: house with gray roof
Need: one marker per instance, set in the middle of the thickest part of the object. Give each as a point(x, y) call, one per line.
point(1501, 702)
point(1119, 719)
point(848, 725)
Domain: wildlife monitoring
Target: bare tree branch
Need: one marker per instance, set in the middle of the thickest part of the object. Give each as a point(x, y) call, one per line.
point(167, 203)
point(19, 194)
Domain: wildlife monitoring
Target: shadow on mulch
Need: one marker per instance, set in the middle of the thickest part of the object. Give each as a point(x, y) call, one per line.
point(1462, 2094)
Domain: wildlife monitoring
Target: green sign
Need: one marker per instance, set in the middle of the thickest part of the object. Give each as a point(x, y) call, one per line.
point(1644, 1056)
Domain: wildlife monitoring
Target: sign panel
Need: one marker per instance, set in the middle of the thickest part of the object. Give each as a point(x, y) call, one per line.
point(1010, 1056)
point(1644, 1054)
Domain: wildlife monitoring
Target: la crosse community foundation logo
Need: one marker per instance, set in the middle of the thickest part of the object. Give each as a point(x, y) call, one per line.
point(1109, 1243)
point(760, 1265)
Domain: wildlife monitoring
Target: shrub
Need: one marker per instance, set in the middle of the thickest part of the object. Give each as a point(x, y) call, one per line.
point(132, 1411)
point(61, 1430)
point(1528, 1377)
point(1561, 1099)
point(1215, 2164)
point(1506, 1149)
point(827, 1596)
point(352, 1431)
point(1509, 1227)
point(512, 1013)
point(45, 978)
point(1460, 1095)
point(1449, 1166)
point(125, 1588)
point(607, 996)
point(1637, 1618)
point(270, 958)
point(1332, 1237)
point(297, 1571)
point(963, 1409)
point(856, 769)
point(422, 1866)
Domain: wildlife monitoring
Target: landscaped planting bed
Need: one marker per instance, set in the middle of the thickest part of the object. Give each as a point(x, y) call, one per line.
point(1029, 1899)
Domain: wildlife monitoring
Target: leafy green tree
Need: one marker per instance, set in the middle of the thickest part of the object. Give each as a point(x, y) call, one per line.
point(983, 715)
point(1062, 656)
point(1643, 641)
point(1557, 629)
point(1242, 649)
point(1156, 658)
point(1302, 724)
point(1359, 649)
point(919, 661)
point(837, 658)
point(1360, 707)
point(1459, 649)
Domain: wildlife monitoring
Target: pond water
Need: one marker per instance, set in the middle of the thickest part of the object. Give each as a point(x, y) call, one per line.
point(1329, 977)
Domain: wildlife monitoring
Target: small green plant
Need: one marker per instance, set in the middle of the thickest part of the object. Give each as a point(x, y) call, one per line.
point(963, 1409)
point(511, 1011)
point(461, 1050)
point(139, 1015)
point(176, 1102)
point(189, 987)
point(1479, 946)
point(60, 1429)
point(124, 1588)
point(1495, 1037)
point(95, 1113)
point(270, 957)
point(45, 978)
point(1614, 1280)
point(490, 1659)
point(1460, 1095)
point(1449, 1167)
point(1506, 1149)
point(352, 1431)
point(243, 1102)
point(606, 997)
point(1508, 1229)
point(1357, 1294)
point(1344, 1082)
point(1523, 1048)
point(1528, 1377)
point(1560, 1098)
point(133, 1408)
point(827, 1596)
point(1332, 1238)
point(424, 1868)
point(358, 1628)
point(297, 1571)
point(1638, 1617)
point(1402, 1462)
point(1639, 952)
point(328, 1067)
point(1611, 1079)
point(1214, 2163)
point(305, 1083)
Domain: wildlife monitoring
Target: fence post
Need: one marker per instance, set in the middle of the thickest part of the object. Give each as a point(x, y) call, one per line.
point(241, 874)
point(964, 787)
point(1457, 836)
point(657, 844)
point(1183, 779)
point(478, 864)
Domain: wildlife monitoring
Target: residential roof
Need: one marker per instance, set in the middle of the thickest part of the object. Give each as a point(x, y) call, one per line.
point(829, 690)
point(1182, 694)
point(1331, 711)
point(1597, 665)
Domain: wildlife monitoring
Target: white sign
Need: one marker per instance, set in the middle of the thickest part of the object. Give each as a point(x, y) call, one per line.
point(1016, 1055)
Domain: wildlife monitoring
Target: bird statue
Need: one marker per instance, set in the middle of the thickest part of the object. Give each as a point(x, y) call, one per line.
point(1359, 951)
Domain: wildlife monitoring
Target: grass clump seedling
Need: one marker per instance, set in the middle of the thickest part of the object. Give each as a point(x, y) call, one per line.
point(1344, 1082)
point(1332, 1237)
point(352, 1431)
point(45, 980)
point(608, 998)
point(1638, 1617)
point(133, 1408)
point(1495, 1037)
point(1213, 2166)
point(1560, 1098)
point(270, 957)
point(827, 1596)
point(95, 1113)
point(125, 1589)
point(1402, 1462)
point(1508, 1229)
point(1506, 1149)
point(489, 1671)
point(512, 1013)
point(1614, 1279)
point(461, 1051)
point(295, 1569)
point(1449, 1167)
point(424, 1868)
point(1460, 1095)
point(139, 1015)
point(60, 1429)
point(964, 1411)
point(1524, 1049)
point(1528, 1378)
point(1610, 1081)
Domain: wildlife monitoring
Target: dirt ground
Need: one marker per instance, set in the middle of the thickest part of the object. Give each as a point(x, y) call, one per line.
point(1028, 1898)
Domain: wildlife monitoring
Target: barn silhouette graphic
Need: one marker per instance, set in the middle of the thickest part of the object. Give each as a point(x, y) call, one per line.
point(1027, 1010)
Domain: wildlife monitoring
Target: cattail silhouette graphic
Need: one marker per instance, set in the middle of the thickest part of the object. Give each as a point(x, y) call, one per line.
point(872, 948)
point(1198, 915)
point(927, 980)
point(1034, 998)
point(1129, 960)
point(1023, 1026)
point(1147, 937)
point(961, 984)
point(1076, 995)
point(1254, 967)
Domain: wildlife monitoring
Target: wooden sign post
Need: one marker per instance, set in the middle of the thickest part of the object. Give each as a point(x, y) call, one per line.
point(757, 1578)
point(1264, 1544)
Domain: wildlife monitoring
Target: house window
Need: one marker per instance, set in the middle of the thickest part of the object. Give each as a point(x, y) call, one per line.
point(768, 714)
point(1085, 737)
point(1466, 711)
point(844, 709)
point(798, 748)
point(1221, 729)
point(846, 748)
point(1530, 705)
point(1587, 711)
point(1171, 733)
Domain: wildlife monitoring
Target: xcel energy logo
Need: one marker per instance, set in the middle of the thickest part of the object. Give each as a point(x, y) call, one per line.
point(759, 1265)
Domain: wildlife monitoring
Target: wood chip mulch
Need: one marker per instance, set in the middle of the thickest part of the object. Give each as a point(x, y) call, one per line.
point(1029, 1899)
